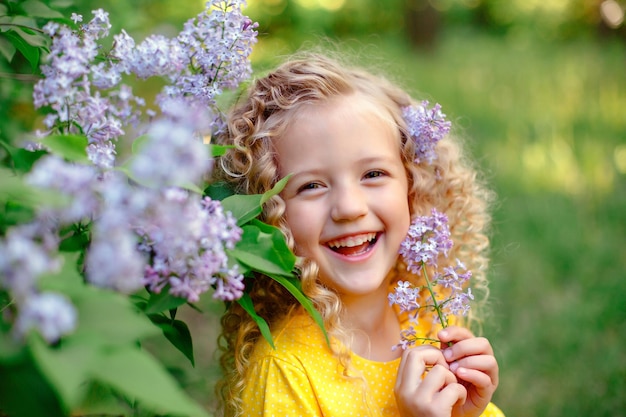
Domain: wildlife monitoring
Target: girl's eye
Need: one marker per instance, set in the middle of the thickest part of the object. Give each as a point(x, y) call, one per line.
point(309, 186)
point(374, 174)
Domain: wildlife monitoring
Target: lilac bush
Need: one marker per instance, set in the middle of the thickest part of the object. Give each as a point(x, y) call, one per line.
point(159, 235)
point(115, 217)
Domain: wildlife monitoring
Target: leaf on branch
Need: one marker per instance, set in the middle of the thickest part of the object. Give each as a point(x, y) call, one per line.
point(177, 332)
point(163, 301)
point(246, 303)
point(246, 207)
point(23, 159)
point(293, 286)
point(30, 52)
point(70, 147)
point(263, 248)
point(137, 375)
point(39, 9)
point(7, 49)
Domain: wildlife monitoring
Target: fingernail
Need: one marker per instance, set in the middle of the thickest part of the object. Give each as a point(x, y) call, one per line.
point(454, 366)
point(447, 354)
point(443, 334)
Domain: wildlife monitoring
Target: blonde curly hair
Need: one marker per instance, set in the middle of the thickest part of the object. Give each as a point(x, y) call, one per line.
point(450, 184)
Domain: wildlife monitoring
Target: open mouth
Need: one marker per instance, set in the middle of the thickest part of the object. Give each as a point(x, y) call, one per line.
point(353, 245)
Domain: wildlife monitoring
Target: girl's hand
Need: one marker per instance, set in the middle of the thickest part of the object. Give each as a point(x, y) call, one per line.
point(433, 394)
point(471, 359)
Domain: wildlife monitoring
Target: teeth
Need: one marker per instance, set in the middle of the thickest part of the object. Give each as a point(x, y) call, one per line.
point(352, 241)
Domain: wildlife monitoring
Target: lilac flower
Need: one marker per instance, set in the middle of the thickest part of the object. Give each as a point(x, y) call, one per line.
point(26, 252)
point(173, 155)
point(74, 181)
point(405, 296)
point(186, 238)
point(426, 127)
point(113, 260)
point(70, 76)
point(218, 44)
point(52, 314)
point(427, 240)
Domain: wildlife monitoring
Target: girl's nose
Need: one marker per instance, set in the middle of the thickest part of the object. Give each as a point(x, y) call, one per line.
point(348, 203)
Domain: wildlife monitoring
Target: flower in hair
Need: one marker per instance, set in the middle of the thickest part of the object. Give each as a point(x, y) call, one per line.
point(426, 127)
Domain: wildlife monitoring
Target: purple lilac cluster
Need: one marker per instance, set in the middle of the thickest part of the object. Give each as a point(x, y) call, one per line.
point(188, 250)
point(427, 240)
point(72, 88)
point(83, 87)
point(29, 251)
point(145, 231)
point(426, 127)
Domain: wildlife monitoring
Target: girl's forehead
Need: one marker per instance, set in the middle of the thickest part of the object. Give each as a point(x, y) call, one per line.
point(349, 106)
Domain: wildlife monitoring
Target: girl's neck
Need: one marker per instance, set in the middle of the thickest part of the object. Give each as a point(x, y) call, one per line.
point(374, 326)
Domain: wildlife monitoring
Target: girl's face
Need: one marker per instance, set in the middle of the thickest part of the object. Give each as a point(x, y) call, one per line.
point(346, 203)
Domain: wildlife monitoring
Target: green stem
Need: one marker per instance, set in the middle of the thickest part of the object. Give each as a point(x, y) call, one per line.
point(436, 306)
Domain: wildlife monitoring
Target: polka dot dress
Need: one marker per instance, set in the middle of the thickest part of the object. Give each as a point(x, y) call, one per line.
point(301, 377)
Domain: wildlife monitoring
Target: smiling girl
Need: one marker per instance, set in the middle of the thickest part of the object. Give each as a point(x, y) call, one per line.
point(357, 181)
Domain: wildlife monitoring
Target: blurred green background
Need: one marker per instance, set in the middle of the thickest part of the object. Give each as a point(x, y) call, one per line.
point(538, 89)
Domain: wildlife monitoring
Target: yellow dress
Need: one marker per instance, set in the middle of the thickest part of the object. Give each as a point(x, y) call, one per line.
point(302, 377)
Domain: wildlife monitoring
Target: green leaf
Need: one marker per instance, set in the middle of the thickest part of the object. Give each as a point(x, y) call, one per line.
point(33, 37)
point(67, 368)
point(23, 159)
point(280, 253)
point(218, 190)
point(136, 374)
point(163, 301)
point(106, 318)
point(11, 349)
point(243, 207)
point(70, 147)
point(76, 237)
point(110, 317)
point(246, 303)
point(7, 49)
point(24, 392)
point(100, 399)
point(14, 190)
point(177, 332)
point(138, 142)
point(218, 150)
point(293, 286)
point(263, 248)
point(39, 9)
point(247, 207)
point(13, 213)
point(278, 187)
point(31, 53)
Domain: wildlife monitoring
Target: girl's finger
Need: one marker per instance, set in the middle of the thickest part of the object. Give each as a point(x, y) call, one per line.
point(469, 347)
point(452, 334)
point(483, 363)
point(414, 363)
point(478, 379)
point(454, 393)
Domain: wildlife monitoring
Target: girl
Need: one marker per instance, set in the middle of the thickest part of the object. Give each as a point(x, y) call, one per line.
point(356, 184)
